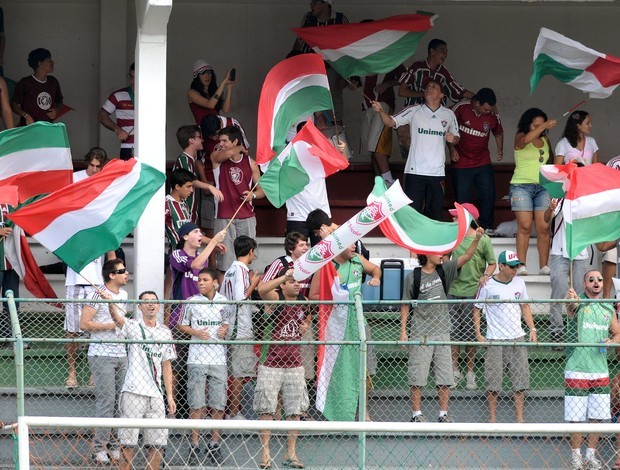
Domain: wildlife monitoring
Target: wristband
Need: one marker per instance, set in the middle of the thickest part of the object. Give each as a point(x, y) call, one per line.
point(533, 330)
point(25, 115)
point(216, 96)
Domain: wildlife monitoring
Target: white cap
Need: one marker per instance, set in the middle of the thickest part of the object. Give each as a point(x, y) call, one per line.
point(201, 66)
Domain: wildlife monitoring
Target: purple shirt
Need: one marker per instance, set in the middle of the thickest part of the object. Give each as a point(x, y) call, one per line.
point(185, 281)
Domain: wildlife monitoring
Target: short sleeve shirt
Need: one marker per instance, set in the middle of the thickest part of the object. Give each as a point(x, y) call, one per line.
point(503, 319)
point(234, 286)
point(102, 315)
point(210, 316)
point(466, 285)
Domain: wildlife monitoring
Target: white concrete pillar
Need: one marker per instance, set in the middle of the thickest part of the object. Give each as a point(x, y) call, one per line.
point(152, 19)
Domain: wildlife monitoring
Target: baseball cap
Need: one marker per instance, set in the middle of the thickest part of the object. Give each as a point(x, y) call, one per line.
point(201, 66)
point(508, 257)
point(186, 228)
point(469, 207)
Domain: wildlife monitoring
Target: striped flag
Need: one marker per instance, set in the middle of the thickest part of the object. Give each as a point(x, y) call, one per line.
point(91, 217)
point(419, 234)
point(555, 178)
point(293, 88)
point(337, 399)
point(368, 48)
point(36, 158)
point(574, 64)
point(591, 208)
point(308, 157)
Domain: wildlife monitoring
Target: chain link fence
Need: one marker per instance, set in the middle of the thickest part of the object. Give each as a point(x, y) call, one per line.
point(394, 379)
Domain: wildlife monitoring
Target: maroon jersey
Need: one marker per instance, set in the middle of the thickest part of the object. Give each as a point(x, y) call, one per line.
point(233, 178)
point(286, 321)
point(416, 75)
point(387, 97)
point(475, 130)
point(36, 98)
point(271, 272)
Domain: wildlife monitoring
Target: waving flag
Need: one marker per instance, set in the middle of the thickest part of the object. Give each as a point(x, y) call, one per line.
point(592, 205)
point(367, 48)
point(556, 178)
point(337, 388)
point(308, 157)
point(293, 88)
point(574, 64)
point(416, 232)
point(87, 219)
point(35, 158)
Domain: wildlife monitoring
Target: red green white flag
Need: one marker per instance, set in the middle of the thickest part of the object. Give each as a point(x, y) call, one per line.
point(308, 157)
point(294, 88)
point(35, 158)
point(368, 48)
point(337, 385)
point(576, 65)
point(91, 217)
point(419, 234)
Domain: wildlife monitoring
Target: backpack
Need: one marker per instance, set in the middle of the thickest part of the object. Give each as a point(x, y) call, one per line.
point(417, 280)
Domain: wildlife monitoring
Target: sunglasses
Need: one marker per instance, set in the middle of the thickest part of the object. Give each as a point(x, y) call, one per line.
point(542, 157)
point(592, 279)
point(120, 271)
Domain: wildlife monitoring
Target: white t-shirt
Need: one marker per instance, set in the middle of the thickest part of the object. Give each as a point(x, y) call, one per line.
point(209, 316)
point(144, 371)
point(102, 315)
point(236, 282)
point(503, 320)
point(570, 153)
point(314, 196)
point(558, 243)
point(427, 153)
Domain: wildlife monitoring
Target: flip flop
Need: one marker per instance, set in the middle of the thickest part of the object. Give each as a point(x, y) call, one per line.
point(264, 465)
point(292, 463)
point(71, 383)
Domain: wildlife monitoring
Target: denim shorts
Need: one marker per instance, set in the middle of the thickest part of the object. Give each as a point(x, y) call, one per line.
point(528, 197)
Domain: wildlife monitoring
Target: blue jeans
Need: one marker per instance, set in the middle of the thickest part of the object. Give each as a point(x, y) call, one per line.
point(9, 280)
point(108, 376)
point(465, 179)
point(559, 286)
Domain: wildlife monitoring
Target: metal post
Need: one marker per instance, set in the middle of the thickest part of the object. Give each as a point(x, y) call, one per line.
point(19, 353)
point(359, 312)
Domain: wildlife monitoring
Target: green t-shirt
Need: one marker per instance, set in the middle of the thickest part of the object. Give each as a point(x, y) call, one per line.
point(466, 285)
point(590, 324)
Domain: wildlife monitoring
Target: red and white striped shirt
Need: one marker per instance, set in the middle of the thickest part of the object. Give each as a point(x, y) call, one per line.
point(121, 103)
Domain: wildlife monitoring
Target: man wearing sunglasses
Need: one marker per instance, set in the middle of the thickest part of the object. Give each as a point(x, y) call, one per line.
point(586, 373)
point(107, 361)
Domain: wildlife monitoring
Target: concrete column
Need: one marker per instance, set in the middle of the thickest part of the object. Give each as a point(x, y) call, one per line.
point(152, 19)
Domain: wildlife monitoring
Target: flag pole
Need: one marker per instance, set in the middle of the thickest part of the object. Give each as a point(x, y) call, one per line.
point(242, 203)
point(575, 107)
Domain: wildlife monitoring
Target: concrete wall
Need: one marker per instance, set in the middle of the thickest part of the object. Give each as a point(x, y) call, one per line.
point(490, 44)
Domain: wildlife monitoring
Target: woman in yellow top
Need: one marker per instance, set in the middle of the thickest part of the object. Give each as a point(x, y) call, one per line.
point(528, 199)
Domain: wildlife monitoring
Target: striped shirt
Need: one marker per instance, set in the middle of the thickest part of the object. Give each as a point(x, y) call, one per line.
point(417, 74)
point(121, 103)
point(187, 162)
point(176, 214)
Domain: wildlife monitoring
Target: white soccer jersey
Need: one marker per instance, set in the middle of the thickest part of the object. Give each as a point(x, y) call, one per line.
point(236, 282)
point(427, 153)
point(102, 315)
point(210, 317)
point(503, 320)
point(144, 370)
point(313, 196)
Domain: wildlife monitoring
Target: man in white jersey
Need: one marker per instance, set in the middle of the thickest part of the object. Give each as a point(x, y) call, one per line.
point(432, 125)
point(141, 396)
point(107, 361)
point(78, 285)
point(206, 363)
point(504, 325)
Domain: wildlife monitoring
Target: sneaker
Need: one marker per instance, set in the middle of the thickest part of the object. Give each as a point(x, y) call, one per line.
point(522, 270)
point(419, 419)
point(576, 462)
point(458, 377)
point(101, 458)
point(445, 419)
point(545, 271)
point(489, 232)
point(471, 381)
point(215, 453)
point(115, 454)
point(194, 456)
point(593, 464)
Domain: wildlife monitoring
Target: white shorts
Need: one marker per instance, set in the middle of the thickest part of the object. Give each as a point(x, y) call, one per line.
point(141, 406)
point(579, 409)
point(73, 311)
point(611, 256)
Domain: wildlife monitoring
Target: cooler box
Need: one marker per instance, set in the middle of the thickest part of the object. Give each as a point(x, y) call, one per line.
point(393, 274)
